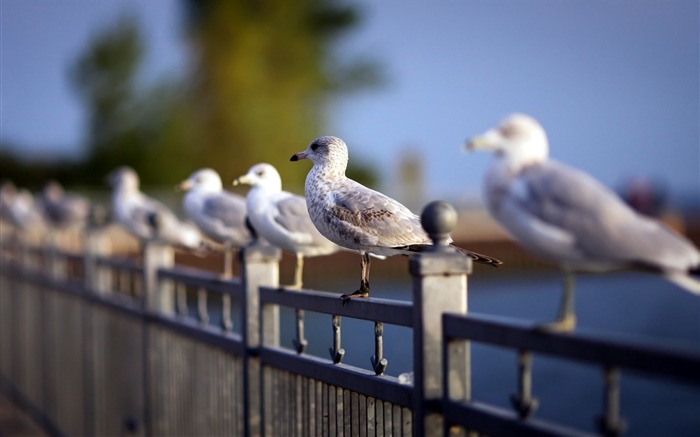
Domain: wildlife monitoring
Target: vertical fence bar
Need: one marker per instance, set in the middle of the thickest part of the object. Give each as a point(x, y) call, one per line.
point(97, 243)
point(159, 296)
point(260, 265)
point(439, 286)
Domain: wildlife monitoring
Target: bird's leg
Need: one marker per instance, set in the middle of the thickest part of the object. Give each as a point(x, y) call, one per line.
point(363, 291)
point(228, 259)
point(298, 271)
point(566, 321)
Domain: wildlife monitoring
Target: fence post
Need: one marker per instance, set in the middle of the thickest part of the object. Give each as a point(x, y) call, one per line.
point(54, 249)
point(159, 296)
point(260, 267)
point(98, 243)
point(439, 286)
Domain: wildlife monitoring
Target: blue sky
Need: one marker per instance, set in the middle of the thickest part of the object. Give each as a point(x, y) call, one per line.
point(615, 83)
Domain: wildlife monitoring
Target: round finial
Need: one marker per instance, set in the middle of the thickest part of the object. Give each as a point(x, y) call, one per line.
point(439, 219)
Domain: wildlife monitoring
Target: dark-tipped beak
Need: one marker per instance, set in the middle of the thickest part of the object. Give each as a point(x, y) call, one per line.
point(298, 156)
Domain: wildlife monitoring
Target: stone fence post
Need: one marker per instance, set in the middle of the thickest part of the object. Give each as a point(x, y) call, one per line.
point(259, 267)
point(439, 286)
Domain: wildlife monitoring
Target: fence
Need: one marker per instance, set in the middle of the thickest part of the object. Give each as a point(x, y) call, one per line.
point(94, 344)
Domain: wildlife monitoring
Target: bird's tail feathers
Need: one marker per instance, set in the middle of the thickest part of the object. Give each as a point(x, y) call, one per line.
point(480, 258)
point(685, 281)
point(476, 257)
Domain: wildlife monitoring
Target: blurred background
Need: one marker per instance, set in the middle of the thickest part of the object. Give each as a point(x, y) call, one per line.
point(170, 86)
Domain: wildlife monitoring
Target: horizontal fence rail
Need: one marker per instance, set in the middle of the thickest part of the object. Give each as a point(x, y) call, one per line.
point(526, 338)
point(93, 343)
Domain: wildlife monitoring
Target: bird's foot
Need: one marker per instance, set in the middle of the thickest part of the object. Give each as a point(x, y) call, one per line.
point(564, 324)
point(362, 292)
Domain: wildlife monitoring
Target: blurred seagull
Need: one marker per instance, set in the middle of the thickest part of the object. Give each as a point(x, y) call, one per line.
point(145, 217)
point(24, 211)
point(281, 217)
point(8, 191)
point(568, 218)
point(221, 215)
point(64, 210)
point(356, 217)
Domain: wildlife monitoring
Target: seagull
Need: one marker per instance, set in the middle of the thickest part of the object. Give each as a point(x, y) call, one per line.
point(568, 218)
point(24, 211)
point(359, 218)
point(146, 218)
point(64, 210)
point(219, 214)
point(281, 217)
point(8, 191)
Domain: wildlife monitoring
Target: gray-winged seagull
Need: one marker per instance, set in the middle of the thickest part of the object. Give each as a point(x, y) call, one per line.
point(281, 217)
point(219, 214)
point(145, 217)
point(356, 217)
point(568, 218)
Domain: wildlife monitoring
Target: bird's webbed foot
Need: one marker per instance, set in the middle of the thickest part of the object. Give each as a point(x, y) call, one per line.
point(363, 291)
point(562, 325)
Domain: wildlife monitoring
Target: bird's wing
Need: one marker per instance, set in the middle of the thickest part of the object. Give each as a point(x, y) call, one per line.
point(568, 210)
point(292, 217)
point(373, 219)
point(228, 210)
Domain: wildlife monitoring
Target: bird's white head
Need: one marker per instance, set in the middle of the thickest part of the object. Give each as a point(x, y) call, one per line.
point(261, 176)
point(203, 181)
point(328, 152)
point(519, 139)
point(124, 178)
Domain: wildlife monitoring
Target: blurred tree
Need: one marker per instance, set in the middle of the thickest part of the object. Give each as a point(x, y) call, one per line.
point(144, 127)
point(104, 77)
point(263, 76)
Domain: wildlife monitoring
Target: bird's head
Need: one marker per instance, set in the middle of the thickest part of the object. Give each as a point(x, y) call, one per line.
point(519, 137)
point(124, 178)
point(261, 175)
point(205, 181)
point(327, 151)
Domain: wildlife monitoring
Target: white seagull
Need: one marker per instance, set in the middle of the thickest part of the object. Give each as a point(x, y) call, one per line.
point(356, 217)
point(24, 211)
point(568, 218)
point(219, 214)
point(146, 218)
point(281, 217)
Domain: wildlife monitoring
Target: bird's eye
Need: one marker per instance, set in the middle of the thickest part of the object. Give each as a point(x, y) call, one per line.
point(507, 130)
point(260, 172)
point(314, 146)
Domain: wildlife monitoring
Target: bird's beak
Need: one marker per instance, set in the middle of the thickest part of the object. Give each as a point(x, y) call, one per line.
point(241, 180)
point(299, 156)
point(484, 141)
point(184, 185)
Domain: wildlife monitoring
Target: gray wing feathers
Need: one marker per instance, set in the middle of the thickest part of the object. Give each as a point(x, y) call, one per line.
point(600, 222)
point(231, 211)
point(375, 219)
point(294, 217)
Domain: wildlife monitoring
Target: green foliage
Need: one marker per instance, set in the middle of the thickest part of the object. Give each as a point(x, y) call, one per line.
point(261, 76)
point(264, 74)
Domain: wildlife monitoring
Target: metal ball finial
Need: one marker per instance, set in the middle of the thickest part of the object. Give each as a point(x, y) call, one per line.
point(439, 219)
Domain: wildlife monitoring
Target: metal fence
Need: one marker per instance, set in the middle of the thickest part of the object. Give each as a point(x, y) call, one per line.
point(94, 344)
